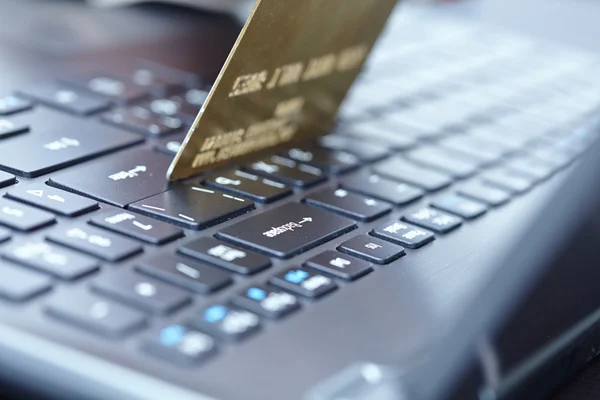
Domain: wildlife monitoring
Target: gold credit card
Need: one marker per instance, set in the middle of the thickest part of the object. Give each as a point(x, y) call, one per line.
point(284, 79)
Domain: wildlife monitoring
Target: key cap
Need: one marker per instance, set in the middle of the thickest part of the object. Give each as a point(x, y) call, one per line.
point(366, 152)
point(4, 235)
point(225, 322)
point(287, 171)
point(303, 282)
point(287, 230)
point(506, 179)
point(114, 88)
point(552, 155)
point(530, 167)
point(174, 107)
point(51, 259)
point(141, 292)
point(339, 265)
point(266, 302)
point(180, 345)
point(95, 314)
point(21, 217)
point(185, 273)
point(372, 249)
point(137, 227)
point(170, 145)
point(6, 179)
point(484, 193)
point(333, 161)
point(60, 141)
point(95, 242)
point(64, 99)
point(380, 188)
point(349, 204)
point(442, 161)
point(140, 120)
point(403, 171)
point(12, 104)
point(193, 207)
point(119, 179)
point(156, 82)
point(226, 256)
point(404, 234)
point(397, 140)
point(465, 208)
point(19, 284)
point(472, 149)
point(435, 220)
point(54, 200)
point(246, 184)
point(10, 128)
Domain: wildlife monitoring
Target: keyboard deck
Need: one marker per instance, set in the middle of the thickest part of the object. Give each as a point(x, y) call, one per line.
point(441, 129)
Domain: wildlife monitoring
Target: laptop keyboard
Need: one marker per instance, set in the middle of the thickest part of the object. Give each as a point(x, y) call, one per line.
point(439, 129)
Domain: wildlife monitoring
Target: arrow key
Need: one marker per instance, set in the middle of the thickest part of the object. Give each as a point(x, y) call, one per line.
point(51, 199)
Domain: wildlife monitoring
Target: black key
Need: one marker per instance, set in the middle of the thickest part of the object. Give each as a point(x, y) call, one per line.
point(332, 161)
point(442, 161)
point(352, 205)
point(116, 89)
point(180, 345)
point(304, 283)
point(508, 180)
point(138, 227)
point(463, 207)
point(226, 322)
point(404, 234)
point(5, 235)
point(266, 302)
point(64, 142)
point(288, 171)
point(376, 186)
point(372, 249)
point(398, 169)
point(6, 179)
point(396, 140)
point(156, 81)
point(173, 107)
point(184, 272)
point(225, 255)
point(19, 284)
point(141, 292)
point(171, 145)
point(94, 241)
point(366, 152)
point(21, 217)
point(95, 314)
point(120, 179)
point(340, 265)
point(54, 260)
point(530, 167)
point(10, 128)
point(484, 193)
point(13, 104)
point(246, 184)
point(287, 230)
point(193, 207)
point(437, 221)
point(54, 200)
point(167, 73)
point(61, 98)
point(140, 120)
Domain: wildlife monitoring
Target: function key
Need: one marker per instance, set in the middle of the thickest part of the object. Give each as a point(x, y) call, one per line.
point(349, 204)
point(13, 104)
point(94, 241)
point(266, 302)
point(332, 161)
point(21, 217)
point(437, 221)
point(138, 227)
point(5, 235)
point(6, 179)
point(465, 208)
point(340, 265)
point(288, 171)
point(403, 171)
point(188, 274)
point(141, 292)
point(366, 152)
point(51, 199)
point(193, 207)
point(484, 193)
point(376, 186)
point(404, 234)
point(226, 322)
point(95, 314)
point(246, 184)
point(372, 249)
point(53, 260)
point(141, 120)
point(508, 180)
point(226, 256)
point(18, 284)
point(10, 128)
point(180, 345)
point(114, 88)
point(304, 283)
point(61, 98)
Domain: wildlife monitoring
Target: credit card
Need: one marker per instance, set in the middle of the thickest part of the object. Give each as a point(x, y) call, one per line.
point(283, 81)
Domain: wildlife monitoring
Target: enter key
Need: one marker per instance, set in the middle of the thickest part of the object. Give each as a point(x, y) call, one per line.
point(287, 230)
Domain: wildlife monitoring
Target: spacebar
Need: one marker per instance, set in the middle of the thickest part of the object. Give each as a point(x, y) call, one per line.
point(287, 230)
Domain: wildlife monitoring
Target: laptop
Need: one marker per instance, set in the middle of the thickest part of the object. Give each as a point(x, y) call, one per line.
point(311, 273)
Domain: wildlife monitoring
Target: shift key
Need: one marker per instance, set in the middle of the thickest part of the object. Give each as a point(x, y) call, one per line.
point(287, 230)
